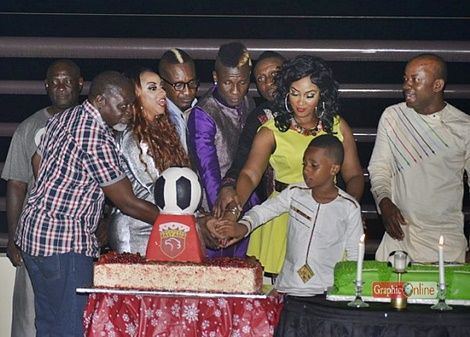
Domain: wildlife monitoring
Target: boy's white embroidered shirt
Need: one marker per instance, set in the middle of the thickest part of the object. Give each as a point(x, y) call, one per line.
point(337, 230)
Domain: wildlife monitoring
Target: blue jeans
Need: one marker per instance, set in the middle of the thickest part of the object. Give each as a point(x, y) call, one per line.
point(59, 309)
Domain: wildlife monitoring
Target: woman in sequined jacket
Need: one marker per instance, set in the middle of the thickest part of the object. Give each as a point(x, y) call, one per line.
point(149, 146)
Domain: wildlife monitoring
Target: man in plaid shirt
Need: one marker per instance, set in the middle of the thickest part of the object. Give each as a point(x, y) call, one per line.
point(77, 164)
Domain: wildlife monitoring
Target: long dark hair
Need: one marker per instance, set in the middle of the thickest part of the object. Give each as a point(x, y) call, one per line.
point(321, 75)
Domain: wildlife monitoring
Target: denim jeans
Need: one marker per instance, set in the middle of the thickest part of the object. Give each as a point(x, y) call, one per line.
point(59, 309)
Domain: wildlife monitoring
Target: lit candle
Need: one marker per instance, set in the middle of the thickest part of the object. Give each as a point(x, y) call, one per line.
point(360, 259)
point(442, 281)
point(399, 261)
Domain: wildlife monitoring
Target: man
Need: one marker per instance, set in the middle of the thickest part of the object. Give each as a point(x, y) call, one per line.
point(215, 123)
point(77, 164)
point(265, 71)
point(268, 65)
point(416, 169)
point(63, 85)
point(178, 72)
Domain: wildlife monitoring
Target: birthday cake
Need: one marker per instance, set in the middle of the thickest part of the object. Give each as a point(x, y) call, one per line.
point(418, 282)
point(218, 275)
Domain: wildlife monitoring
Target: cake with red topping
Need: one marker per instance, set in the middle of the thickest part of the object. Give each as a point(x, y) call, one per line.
point(218, 275)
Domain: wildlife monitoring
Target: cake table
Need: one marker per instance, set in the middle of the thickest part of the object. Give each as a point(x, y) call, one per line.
point(318, 317)
point(109, 314)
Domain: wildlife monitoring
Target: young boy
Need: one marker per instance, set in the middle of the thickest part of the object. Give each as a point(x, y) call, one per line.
point(324, 222)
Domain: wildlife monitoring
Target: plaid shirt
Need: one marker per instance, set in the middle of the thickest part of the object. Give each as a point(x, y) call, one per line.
point(79, 156)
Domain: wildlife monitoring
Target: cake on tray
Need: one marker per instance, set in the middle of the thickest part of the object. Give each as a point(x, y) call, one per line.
point(422, 277)
point(218, 275)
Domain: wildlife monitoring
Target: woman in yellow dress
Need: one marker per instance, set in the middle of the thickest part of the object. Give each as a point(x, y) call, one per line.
point(306, 99)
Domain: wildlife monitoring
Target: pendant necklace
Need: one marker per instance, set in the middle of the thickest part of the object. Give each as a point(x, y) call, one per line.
point(307, 132)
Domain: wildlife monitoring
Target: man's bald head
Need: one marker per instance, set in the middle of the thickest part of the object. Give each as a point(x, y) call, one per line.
point(437, 64)
point(63, 85)
point(109, 81)
point(424, 82)
point(69, 65)
point(112, 94)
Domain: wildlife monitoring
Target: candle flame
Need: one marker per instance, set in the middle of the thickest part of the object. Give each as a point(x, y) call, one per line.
point(363, 236)
point(441, 240)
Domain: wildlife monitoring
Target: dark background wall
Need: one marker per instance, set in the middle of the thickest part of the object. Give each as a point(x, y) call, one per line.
point(292, 20)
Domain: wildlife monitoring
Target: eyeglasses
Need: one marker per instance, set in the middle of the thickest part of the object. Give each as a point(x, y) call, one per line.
point(179, 86)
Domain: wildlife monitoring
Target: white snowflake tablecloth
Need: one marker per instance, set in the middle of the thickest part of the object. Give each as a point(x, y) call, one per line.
point(113, 315)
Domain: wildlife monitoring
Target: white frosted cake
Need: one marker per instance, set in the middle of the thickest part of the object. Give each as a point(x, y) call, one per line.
point(219, 275)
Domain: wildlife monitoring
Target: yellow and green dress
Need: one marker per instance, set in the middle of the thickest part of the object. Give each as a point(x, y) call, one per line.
point(268, 242)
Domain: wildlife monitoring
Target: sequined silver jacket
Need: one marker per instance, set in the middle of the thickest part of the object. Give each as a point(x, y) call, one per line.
point(126, 234)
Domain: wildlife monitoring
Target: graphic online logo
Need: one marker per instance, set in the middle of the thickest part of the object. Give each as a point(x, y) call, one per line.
point(404, 289)
point(173, 238)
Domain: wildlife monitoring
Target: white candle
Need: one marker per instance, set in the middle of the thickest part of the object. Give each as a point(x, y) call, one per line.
point(442, 281)
point(360, 259)
point(399, 261)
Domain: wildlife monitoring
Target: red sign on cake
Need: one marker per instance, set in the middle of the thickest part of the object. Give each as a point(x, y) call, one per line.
point(174, 238)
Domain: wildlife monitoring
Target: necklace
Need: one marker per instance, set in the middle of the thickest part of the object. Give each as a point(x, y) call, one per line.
point(307, 132)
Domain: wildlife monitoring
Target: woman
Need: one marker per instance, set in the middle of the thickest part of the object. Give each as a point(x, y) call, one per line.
point(149, 146)
point(306, 100)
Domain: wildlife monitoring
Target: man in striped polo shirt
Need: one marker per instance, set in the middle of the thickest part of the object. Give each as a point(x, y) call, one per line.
point(77, 164)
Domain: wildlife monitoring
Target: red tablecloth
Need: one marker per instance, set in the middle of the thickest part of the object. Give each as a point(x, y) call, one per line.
point(112, 315)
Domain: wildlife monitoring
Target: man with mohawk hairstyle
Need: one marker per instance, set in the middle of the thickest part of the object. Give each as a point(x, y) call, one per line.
point(215, 124)
point(265, 70)
point(178, 72)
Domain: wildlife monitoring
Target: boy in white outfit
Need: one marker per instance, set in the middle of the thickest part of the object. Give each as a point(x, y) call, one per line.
point(324, 222)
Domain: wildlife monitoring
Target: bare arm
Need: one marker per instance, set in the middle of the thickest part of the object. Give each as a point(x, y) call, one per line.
point(226, 196)
point(206, 229)
point(252, 172)
point(16, 193)
point(351, 170)
point(121, 194)
point(36, 163)
point(392, 218)
point(233, 231)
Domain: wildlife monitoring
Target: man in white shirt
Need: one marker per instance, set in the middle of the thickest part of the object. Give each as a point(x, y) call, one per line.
point(417, 165)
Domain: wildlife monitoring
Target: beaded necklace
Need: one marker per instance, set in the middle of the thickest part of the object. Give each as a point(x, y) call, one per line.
point(307, 132)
